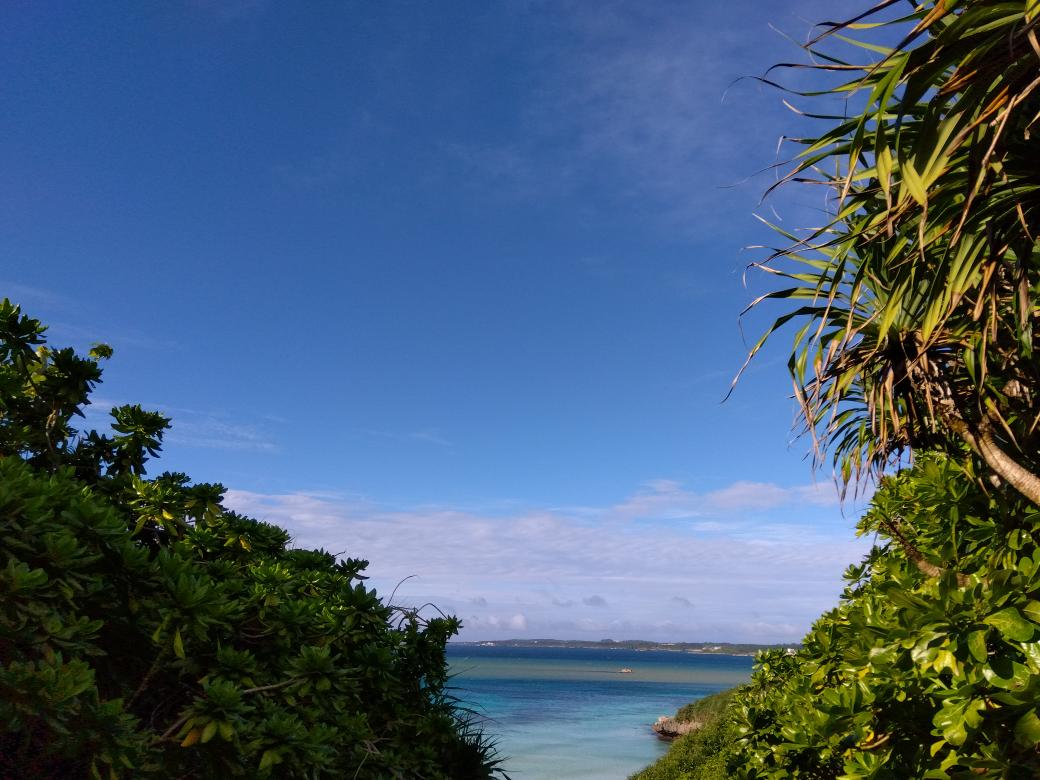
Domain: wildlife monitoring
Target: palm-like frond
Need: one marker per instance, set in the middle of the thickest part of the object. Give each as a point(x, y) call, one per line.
point(918, 300)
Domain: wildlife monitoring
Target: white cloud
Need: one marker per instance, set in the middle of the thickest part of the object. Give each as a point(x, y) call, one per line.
point(759, 577)
point(511, 623)
point(764, 495)
point(661, 499)
point(664, 499)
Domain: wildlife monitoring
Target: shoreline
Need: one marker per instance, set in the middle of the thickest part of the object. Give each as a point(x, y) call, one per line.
point(695, 648)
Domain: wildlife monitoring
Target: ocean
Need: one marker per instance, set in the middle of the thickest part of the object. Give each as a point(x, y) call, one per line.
point(572, 714)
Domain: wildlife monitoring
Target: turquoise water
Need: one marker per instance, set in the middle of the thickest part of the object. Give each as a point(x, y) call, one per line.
point(563, 714)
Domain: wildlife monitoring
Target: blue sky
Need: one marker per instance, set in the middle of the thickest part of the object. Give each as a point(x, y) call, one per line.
point(452, 287)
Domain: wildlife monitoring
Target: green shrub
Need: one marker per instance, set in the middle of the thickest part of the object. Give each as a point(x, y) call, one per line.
point(702, 754)
point(146, 631)
point(920, 671)
point(705, 710)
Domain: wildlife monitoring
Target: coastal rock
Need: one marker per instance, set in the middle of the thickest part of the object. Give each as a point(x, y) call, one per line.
point(670, 728)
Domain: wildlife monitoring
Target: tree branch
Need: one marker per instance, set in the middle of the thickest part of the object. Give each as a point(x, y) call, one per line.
point(175, 727)
point(915, 555)
point(147, 677)
point(271, 687)
point(985, 444)
point(184, 719)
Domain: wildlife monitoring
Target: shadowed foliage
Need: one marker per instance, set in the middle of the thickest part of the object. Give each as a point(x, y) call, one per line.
point(703, 753)
point(147, 631)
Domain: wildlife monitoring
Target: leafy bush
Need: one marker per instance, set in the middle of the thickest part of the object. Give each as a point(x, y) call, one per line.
point(704, 710)
point(921, 671)
point(146, 631)
point(702, 754)
point(914, 675)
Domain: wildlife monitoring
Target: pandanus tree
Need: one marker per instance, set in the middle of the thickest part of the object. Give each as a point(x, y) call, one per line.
point(916, 307)
point(918, 300)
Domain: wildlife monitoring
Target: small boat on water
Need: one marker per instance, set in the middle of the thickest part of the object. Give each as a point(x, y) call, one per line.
point(624, 670)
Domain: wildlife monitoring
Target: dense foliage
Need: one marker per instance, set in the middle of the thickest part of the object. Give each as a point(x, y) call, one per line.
point(701, 754)
point(707, 709)
point(914, 675)
point(147, 631)
point(918, 314)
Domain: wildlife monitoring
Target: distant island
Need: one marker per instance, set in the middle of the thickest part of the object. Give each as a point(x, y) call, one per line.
point(718, 648)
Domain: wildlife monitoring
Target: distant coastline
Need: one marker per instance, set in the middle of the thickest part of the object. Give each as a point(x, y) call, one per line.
point(717, 648)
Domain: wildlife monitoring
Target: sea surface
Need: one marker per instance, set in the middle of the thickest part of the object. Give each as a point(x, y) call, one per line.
point(571, 714)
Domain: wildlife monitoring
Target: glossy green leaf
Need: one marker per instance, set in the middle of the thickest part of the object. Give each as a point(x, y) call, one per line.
point(178, 644)
point(1010, 623)
point(209, 731)
point(1027, 729)
point(977, 645)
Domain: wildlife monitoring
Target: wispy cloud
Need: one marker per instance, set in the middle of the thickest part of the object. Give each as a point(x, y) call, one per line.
point(211, 432)
point(674, 574)
point(117, 338)
point(427, 436)
point(59, 311)
point(194, 428)
point(665, 499)
point(765, 495)
point(511, 625)
point(627, 95)
point(29, 296)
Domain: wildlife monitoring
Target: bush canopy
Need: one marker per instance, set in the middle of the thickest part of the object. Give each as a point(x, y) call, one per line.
point(148, 631)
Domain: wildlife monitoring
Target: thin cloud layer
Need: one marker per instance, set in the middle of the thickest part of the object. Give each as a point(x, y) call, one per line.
point(665, 499)
point(194, 428)
point(665, 563)
point(629, 94)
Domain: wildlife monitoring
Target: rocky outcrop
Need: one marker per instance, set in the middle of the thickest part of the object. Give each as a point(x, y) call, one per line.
point(670, 728)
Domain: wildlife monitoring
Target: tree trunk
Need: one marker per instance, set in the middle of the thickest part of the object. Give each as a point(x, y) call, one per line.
point(985, 444)
point(915, 555)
